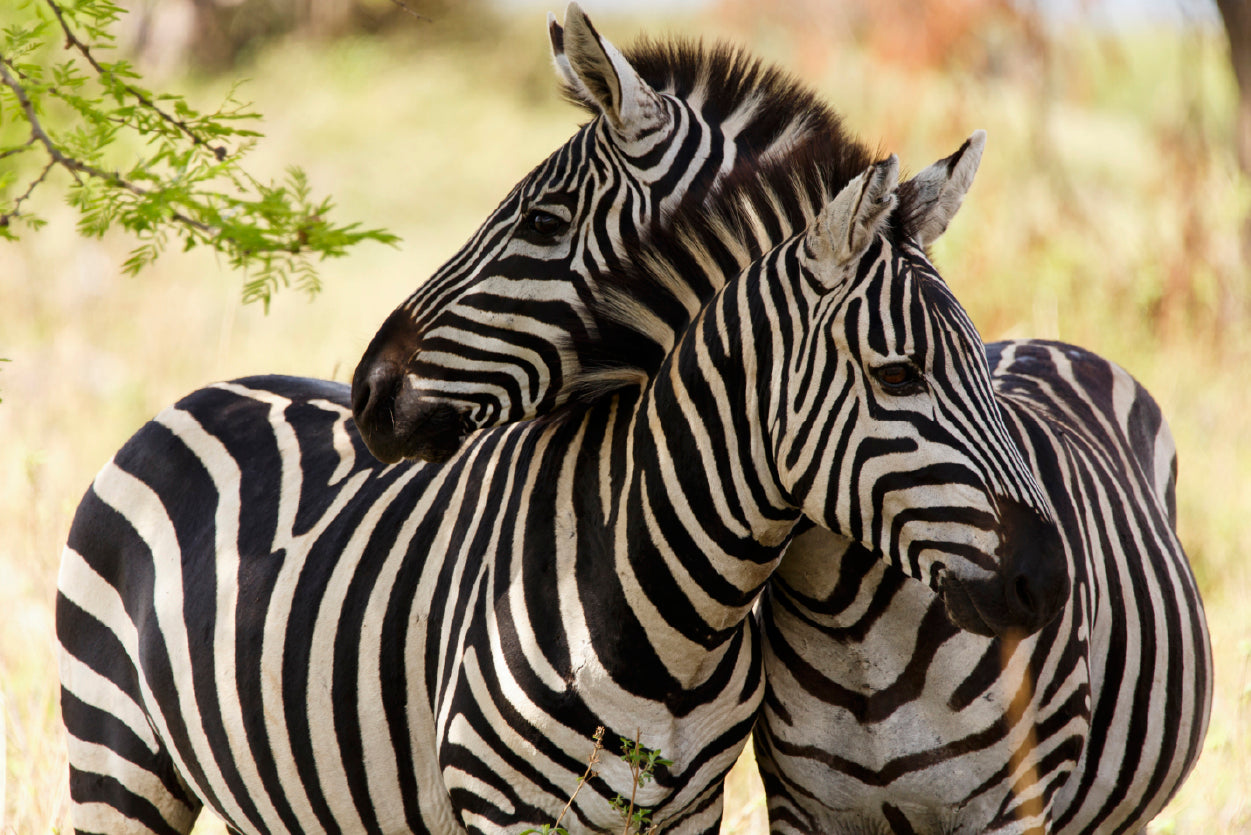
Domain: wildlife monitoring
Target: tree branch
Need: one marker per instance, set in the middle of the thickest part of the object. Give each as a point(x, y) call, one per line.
point(16, 211)
point(409, 9)
point(72, 164)
point(72, 40)
point(24, 147)
point(188, 183)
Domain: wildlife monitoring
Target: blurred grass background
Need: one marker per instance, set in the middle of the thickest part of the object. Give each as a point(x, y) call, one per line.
point(1109, 212)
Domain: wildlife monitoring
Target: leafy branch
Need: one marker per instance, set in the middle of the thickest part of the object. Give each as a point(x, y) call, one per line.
point(83, 114)
point(643, 763)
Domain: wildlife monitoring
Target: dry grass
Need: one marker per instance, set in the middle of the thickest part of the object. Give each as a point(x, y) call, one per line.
point(1098, 217)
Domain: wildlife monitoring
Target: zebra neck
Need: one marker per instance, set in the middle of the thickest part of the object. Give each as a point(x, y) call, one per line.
point(697, 496)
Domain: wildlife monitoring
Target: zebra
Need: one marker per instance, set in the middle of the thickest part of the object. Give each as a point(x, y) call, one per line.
point(259, 616)
point(880, 716)
point(668, 120)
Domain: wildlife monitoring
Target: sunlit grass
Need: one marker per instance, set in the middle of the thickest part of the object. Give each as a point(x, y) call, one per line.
point(1075, 229)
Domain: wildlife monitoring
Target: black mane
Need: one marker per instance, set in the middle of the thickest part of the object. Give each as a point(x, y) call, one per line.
point(729, 77)
point(645, 304)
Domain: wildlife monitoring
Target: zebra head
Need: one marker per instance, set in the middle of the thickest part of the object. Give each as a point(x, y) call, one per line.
point(887, 429)
point(492, 336)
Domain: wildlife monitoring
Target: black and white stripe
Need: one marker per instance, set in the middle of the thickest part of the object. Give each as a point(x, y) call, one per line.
point(881, 714)
point(258, 616)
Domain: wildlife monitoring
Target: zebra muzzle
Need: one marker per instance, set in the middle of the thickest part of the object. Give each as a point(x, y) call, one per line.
point(1030, 589)
point(429, 430)
point(396, 421)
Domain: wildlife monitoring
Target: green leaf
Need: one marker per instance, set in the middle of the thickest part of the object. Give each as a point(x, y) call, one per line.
point(190, 184)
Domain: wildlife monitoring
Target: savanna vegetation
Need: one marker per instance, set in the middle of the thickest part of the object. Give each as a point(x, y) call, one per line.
point(1110, 211)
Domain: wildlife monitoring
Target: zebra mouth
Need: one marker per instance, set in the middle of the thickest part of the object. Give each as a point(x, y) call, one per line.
point(397, 423)
point(429, 430)
point(962, 609)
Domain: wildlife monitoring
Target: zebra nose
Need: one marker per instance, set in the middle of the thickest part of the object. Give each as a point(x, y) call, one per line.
point(1032, 584)
point(395, 421)
point(1036, 576)
point(375, 387)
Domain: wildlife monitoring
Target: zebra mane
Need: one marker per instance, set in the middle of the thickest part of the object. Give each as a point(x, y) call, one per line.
point(646, 304)
point(803, 156)
point(725, 81)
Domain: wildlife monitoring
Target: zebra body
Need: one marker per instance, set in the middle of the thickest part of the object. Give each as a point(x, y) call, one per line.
point(880, 716)
point(313, 656)
point(258, 617)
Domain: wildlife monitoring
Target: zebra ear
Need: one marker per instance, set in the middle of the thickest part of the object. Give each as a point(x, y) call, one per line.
point(849, 222)
point(596, 72)
point(938, 191)
point(573, 85)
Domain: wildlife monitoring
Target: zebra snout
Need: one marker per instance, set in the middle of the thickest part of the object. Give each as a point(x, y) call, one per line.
point(1036, 579)
point(375, 390)
point(396, 421)
point(429, 430)
point(1032, 584)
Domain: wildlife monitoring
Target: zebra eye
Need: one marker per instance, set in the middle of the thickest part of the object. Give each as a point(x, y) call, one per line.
point(901, 378)
point(543, 225)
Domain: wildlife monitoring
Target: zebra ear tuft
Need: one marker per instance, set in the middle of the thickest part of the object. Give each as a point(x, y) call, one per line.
point(596, 71)
point(936, 193)
point(850, 222)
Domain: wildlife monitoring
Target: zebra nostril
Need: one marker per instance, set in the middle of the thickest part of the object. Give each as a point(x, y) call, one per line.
point(362, 394)
point(375, 387)
point(1025, 600)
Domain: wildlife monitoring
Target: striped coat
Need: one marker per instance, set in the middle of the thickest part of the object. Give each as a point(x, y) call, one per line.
point(879, 712)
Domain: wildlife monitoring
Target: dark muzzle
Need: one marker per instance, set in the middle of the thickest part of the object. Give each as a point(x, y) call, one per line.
point(396, 422)
point(1032, 586)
